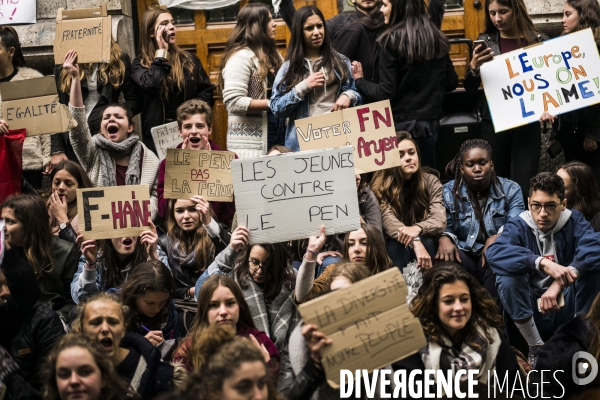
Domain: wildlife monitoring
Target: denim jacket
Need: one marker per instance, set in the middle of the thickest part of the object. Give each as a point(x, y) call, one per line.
point(462, 225)
point(290, 104)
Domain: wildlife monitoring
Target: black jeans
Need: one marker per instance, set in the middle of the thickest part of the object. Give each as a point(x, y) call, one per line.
point(518, 148)
point(472, 263)
point(276, 130)
point(402, 255)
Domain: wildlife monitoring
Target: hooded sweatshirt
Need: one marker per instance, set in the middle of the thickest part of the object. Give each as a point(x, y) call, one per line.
point(539, 280)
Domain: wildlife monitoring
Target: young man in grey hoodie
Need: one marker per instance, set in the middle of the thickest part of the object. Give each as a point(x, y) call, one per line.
point(547, 253)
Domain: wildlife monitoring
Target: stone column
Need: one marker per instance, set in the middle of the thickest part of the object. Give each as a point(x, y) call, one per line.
point(37, 40)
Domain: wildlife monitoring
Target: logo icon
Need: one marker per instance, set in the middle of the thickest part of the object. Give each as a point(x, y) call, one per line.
point(584, 368)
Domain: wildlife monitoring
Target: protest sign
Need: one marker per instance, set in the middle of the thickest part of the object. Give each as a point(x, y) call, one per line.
point(113, 211)
point(85, 30)
point(199, 172)
point(165, 137)
point(558, 76)
point(369, 324)
point(368, 128)
point(17, 12)
point(32, 104)
point(290, 196)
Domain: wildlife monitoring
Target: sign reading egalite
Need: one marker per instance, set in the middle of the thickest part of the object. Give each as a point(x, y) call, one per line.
point(113, 211)
point(85, 30)
point(205, 173)
point(369, 324)
point(368, 128)
point(32, 104)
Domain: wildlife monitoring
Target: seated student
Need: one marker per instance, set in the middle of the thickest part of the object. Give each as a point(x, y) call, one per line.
point(231, 368)
point(267, 279)
point(136, 361)
point(147, 294)
point(463, 329)
point(221, 302)
point(365, 246)
point(107, 264)
point(54, 261)
point(582, 190)
point(66, 177)
point(546, 250)
point(194, 119)
point(78, 368)
point(116, 156)
point(411, 204)
point(478, 204)
point(582, 333)
point(34, 327)
point(192, 240)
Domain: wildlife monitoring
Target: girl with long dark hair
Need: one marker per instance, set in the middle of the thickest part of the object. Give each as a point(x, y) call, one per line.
point(507, 28)
point(248, 69)
point(166, 75)
point(582, 190)
point(314, 79)
point(411, 204)
point(478, 203)
point(413, 70)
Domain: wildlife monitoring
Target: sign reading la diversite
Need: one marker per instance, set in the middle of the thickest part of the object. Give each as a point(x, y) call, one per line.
point(290, 196)
point(558, 76)
point(85, 30)
point(369, 324)
point(206, 173)
point(113, 211)
point(368, 128)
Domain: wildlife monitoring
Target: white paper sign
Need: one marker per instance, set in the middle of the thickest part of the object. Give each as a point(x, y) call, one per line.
point(165, 137)
point(17, 12)
point(558, 76)
point(290, 196)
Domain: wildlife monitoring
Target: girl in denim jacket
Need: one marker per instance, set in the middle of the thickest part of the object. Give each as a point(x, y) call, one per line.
point(314, 79)
point(478, 204)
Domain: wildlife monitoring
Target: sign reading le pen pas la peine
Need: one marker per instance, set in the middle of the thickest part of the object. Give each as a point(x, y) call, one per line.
point(557, 76)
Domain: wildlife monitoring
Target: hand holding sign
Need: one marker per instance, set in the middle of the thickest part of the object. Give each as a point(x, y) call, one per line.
point(315, 341)
point(315, 244)
point(70, 63)
point(3, 127)
point(203, 208)
point(150, 241)
point(88, 250)
point(239, 239)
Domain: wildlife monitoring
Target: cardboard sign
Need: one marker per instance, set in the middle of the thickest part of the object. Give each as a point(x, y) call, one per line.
point(368, 128)
point(199, 172)
point(165, 137)
point(86, 31)
point(369, 324)
point(113, 211)
point(558, 76)
point(17, 12)
point(290, 196)
point(32, 104)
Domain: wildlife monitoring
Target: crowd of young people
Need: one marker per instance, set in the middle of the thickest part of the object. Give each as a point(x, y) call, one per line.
point(507, 255)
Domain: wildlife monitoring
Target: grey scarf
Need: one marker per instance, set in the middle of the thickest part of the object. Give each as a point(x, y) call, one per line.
point(106, 150)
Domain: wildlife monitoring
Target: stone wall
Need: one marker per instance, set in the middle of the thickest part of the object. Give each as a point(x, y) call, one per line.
point(37, 40)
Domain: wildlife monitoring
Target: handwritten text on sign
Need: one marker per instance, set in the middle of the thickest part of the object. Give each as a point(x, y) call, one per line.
point(199, 172)
point(165, 137)
point(290, 196)
point(370, 324)
point(368, 128)
point(113, 212)
point(17, 12)
point(558, 76)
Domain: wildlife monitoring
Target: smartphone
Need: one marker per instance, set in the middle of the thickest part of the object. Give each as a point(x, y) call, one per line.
point(560, 301)
point(554, 149)
point(480, 42)
point(166, 36)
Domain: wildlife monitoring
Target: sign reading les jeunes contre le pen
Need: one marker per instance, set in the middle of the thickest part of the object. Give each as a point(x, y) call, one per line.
point(558, 76)
point(368, 128)
point(85, 30)
point(369, 324)
point(199, 172)
point(290, 196)
point(113, 211)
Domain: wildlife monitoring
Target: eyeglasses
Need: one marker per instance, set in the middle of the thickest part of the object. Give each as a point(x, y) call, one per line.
point(550, 208)
point(255, 265)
